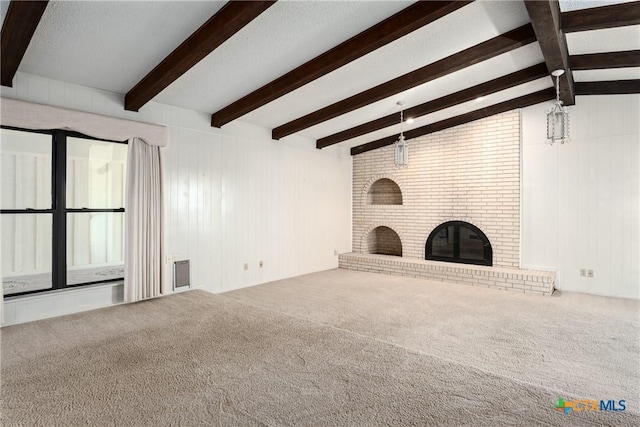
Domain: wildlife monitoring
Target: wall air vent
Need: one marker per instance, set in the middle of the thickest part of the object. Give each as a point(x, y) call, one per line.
point(181, 274)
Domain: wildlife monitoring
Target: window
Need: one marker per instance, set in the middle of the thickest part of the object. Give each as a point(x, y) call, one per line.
point(61, 210)
point(459, 241)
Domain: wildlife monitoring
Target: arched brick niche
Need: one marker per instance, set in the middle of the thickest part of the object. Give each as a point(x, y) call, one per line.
point(459, 241)
point(384, 192)
point(384, 241)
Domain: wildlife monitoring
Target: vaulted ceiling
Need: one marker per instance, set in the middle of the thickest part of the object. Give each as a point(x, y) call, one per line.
point(332, 71)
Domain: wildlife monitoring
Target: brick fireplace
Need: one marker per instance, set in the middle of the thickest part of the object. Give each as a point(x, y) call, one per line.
point(470, 175)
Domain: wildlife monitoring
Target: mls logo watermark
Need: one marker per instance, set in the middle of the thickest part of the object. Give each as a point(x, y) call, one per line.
point(591, 405)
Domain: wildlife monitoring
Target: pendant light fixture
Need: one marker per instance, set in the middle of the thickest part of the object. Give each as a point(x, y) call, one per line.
point(558, 117)
point(401, 149)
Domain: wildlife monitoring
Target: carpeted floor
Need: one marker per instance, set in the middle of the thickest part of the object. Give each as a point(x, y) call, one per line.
point(328, 349)
point(572, 343)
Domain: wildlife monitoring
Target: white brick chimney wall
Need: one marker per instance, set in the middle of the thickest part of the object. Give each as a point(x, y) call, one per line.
point(468, 173)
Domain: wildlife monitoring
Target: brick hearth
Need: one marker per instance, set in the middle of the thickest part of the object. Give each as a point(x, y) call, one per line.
point(504, 278)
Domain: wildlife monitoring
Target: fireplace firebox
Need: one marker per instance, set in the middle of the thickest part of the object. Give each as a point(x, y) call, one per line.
point(459, 241)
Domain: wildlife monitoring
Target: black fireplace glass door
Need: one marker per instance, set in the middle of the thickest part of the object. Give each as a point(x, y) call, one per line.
point(459, 241)
point(443, 242)
point(471, 246)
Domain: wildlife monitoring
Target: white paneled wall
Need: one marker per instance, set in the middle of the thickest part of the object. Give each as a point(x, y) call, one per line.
point(193, 173)
point(581, 201)
point(233, 196)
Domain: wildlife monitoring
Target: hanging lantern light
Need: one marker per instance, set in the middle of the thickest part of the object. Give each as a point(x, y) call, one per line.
point(401, 148)
point(558, 117)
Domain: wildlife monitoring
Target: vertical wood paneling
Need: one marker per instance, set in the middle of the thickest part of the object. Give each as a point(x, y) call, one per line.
point(19, 182)
point(631, 226)
point(170, 199)
point(7, 174)
point(23, 173)
point(190, 212)
point(216, 273)
point(8, 244)
point(43, 179)
point(595, 183)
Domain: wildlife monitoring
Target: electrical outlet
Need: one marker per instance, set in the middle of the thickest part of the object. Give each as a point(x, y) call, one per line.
point(590, 273)
point(335, 252)
point(583, 272)
point(169, 259)
point(261, 264)
point(246, 266)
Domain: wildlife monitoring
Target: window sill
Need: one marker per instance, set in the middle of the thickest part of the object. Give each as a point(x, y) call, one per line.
point(66, 291)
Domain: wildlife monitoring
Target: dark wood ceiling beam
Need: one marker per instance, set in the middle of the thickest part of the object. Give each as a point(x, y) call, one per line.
point(385, 32)
point(596, 18)
point(501, 83)
point(599, 61)
point(546, 20)
point(613, 87)
point(233, 16)
point(473, 55)
point(520, 102)
point(20, 23)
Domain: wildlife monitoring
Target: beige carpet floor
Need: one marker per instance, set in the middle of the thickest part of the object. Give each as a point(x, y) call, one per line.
point(298, 352)
point(571, 343)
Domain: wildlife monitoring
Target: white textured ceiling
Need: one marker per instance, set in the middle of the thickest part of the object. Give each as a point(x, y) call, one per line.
point(568, 5)
point(4, 5)
point(606, 40)
point(415, 50)
point(493, 68)
point(111, 45)
point(287, 35)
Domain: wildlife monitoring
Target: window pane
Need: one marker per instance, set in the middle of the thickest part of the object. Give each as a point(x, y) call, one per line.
point(95, 173)
point(442, 243)
point(471, 246)
point(95, 247)
point(26, 252)
point(25, 170)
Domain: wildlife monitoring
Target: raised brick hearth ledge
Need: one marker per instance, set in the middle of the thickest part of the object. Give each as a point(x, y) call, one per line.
point(505, 278)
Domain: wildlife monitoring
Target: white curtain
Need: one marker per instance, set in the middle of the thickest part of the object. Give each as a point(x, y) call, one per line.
point(143, 223)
